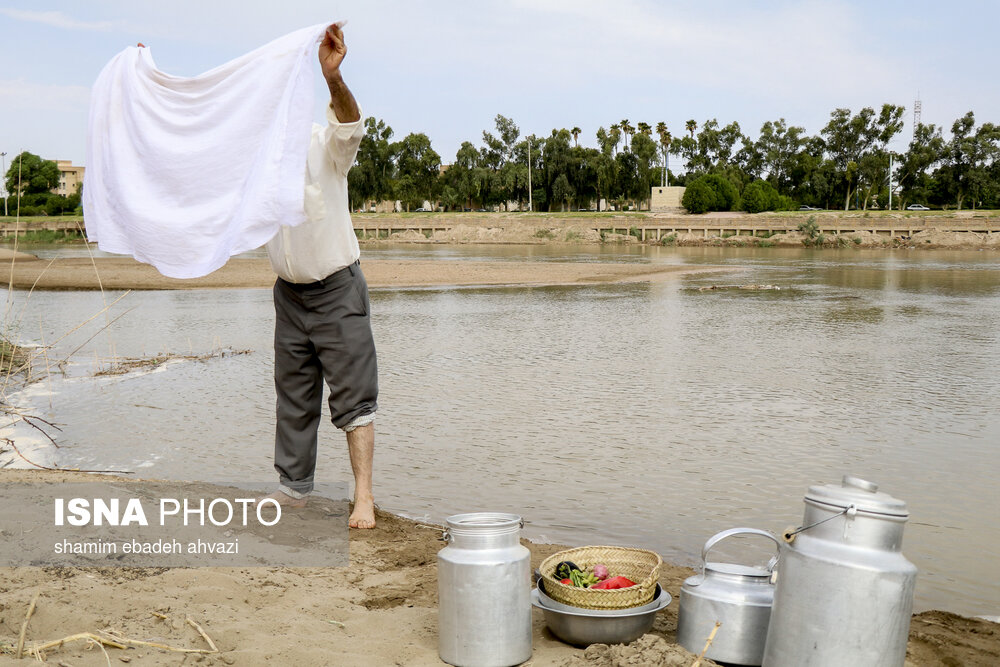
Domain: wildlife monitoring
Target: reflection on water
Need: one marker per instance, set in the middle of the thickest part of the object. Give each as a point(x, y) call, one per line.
point(651, 414)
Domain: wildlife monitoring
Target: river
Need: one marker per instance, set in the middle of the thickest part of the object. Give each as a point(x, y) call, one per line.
point(645, 414)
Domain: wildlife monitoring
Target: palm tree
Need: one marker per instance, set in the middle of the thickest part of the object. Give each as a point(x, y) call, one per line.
point(665, 139)
point(691, 126)
point(644, 128)
point(575, 132)
point(615, 134)
point(627, 130)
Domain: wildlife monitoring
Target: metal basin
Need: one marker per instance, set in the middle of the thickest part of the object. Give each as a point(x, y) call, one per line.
point(552, 604)
point(584, 627)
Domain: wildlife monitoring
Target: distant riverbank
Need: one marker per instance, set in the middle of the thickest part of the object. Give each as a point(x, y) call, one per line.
point(860, 229)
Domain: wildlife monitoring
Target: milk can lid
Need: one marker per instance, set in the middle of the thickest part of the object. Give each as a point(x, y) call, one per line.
point(864, 495)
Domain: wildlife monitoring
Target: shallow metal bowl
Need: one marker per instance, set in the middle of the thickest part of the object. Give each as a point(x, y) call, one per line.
point(552, 604)
point(583, 627)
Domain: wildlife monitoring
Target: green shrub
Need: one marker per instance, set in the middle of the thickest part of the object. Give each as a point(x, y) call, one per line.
point(727, 197)
point(755, 197)
point(669, 239)
point(712, 192)
point(811, 230)
point(698, 197)
point(544, 234)
point(809, 227)
point(785, 203)
point(760, 196)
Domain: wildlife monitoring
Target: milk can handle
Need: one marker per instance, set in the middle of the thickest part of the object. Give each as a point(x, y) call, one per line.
point(718, 537)
point(446, 534)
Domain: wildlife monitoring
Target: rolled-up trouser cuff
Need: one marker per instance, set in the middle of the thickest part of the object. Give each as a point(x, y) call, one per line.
point(360, 420)
point(303, 490)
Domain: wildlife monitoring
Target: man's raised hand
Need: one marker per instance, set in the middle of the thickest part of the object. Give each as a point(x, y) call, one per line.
point(332, 51)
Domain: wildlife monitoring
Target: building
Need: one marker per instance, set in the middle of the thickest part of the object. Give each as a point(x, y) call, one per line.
point(666, 198)
point(70, 177)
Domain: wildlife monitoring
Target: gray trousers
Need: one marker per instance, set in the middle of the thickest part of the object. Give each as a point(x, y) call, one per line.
point(322, 331)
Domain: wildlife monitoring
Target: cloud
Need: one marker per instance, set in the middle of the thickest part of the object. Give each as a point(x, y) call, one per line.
point(57, 20)
point(781, 49)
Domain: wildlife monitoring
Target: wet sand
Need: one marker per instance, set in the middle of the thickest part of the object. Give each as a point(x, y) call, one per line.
point(26, 271)
point(381, 610)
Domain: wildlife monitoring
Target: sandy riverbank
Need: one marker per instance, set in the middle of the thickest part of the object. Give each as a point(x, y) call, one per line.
point(381, 610)
point(26, 271)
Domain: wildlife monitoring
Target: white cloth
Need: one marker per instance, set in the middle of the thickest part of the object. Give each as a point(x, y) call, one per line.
point(183, 173)
point(325, 242)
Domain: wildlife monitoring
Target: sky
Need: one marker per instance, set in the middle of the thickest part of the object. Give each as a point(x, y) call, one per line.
point(448, 67)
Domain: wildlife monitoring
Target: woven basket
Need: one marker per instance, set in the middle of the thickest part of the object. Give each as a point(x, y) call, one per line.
point(639, 565)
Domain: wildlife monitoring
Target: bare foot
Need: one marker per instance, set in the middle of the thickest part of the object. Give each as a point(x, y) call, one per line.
point(285, 500)
point(363, 515)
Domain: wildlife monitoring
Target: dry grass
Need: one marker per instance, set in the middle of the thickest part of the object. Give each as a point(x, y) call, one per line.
point(123, 366)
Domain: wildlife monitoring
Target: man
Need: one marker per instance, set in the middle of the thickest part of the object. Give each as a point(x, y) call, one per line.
point(322, 327)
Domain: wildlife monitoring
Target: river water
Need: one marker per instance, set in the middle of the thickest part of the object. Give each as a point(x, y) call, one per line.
point(645, 414)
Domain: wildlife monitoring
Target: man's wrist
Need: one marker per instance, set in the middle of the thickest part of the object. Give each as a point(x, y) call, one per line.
point(335, 80)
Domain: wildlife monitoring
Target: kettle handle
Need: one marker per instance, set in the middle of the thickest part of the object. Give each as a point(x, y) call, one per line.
point(718, 537)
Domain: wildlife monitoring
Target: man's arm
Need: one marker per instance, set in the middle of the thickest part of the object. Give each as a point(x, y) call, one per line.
point(331, 54)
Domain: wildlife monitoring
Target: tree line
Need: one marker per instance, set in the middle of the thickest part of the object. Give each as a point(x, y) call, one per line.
point(34, 178)
point(849, 164)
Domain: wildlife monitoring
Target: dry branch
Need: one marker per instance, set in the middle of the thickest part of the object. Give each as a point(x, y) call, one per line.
point(707, 644)
point(57, 643)
point(203, 634)
point(38, 465)
point(24, 626)
point(139, 642)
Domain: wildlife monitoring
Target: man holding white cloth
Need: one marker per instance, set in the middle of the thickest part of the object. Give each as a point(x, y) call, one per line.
point(322, 327)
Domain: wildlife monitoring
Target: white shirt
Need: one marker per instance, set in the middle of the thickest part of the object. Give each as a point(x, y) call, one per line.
point(325, 242)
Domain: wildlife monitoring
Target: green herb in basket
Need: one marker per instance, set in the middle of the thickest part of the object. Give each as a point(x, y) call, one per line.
point(583, 579)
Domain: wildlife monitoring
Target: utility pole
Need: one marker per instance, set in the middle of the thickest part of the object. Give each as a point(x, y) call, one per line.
point(890, 181)
point(529, 173)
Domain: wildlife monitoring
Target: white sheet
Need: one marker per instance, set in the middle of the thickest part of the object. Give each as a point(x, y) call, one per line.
point(183, 173)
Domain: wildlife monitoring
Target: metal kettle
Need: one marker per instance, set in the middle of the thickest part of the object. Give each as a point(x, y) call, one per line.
point(738, 597)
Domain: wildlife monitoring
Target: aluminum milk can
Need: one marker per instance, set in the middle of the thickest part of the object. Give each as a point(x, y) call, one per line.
point(737, 596)
point(844, 592)
point(484, 592)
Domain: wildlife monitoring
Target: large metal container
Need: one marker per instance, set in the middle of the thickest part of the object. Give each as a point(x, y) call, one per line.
point(845, 592)
point(484, 592)
point(737, 596)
